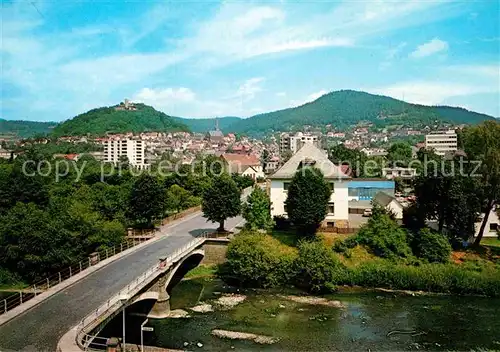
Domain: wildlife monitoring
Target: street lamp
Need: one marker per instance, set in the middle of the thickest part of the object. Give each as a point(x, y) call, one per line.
point(142, 333)
point(123, 298)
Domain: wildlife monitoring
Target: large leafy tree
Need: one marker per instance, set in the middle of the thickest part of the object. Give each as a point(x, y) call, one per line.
point(307, 200)
point(178, 198)
point(482, 143)
point(147, 199)
point(257, 210)
point(221, 200)
point(399, 154)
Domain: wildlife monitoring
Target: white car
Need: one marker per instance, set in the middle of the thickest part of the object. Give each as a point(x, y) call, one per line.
point(367, 212)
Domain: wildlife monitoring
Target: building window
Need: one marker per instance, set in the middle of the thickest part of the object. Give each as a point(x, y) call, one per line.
point(330, 224)
point(493, 227)
point(331, 208)
point(286, 185)
point(332, 186)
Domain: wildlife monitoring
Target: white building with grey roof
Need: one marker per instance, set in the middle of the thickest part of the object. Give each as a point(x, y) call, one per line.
point(310, 155)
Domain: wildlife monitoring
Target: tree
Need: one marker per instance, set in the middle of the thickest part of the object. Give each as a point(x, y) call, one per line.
point(307, 200)
point(399, 154)
point(221, 200)
point(146, 199)
point(257, 210)
point(178, 198)
point(482, 143)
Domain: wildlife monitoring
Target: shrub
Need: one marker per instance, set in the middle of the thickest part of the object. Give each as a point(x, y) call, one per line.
point(445, 278)
point(318, 268)
point(281, 222)
point(343, 246)
point(8, 278)
point(384, 237)
point(432, 246)
point(258, 260)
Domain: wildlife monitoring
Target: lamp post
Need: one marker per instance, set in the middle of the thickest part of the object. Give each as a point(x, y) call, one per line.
point(144, 328)
point(123, 299)
point(142, 334)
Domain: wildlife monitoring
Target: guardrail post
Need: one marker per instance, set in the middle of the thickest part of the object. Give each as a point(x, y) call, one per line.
point(121, 247)
point(80, 266)
point(48, 283)
point(106, 253)
point(34, 289)
point(5, 305)
point(69, 271)
point(21, 296)
point(59, 277)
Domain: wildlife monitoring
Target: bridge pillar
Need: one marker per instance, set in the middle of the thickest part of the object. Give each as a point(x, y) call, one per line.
point(161, 309)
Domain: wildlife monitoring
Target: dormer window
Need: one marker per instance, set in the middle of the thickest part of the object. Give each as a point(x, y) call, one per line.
point(307, 162)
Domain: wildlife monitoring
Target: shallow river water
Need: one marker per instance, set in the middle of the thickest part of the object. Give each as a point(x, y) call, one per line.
point(365, 321)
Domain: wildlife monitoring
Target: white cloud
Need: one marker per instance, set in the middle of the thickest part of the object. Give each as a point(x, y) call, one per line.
point(309, 98)
point(281, 94)
point(249, 89)
point(430, 92)
point(486, 70)
point(164, 96)
point(430, 48)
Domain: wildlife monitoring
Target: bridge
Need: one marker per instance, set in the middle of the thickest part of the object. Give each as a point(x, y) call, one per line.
point(154, 285)
point(40, 328)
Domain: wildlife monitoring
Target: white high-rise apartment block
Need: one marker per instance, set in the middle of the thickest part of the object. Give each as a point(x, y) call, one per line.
point(294, 142)
point(442, 142)
point(133, 149)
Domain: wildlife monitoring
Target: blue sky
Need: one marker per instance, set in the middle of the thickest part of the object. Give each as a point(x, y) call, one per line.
point(205, 59)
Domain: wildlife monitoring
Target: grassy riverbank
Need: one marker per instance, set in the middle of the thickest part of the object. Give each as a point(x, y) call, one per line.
point(326, 262)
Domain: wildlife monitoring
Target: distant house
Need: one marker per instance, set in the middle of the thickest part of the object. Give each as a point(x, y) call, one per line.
point(71, 157)
point(389, 203)
point(399, 172)
point(246, 165)
point(215, 136)
point(493, 224)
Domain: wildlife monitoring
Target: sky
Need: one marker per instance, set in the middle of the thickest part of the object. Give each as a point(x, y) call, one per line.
point(240, 58)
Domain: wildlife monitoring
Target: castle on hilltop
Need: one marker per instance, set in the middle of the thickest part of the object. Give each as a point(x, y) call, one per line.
point(126, 105)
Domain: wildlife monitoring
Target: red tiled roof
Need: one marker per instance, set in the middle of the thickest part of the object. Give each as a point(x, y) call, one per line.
point(241, 159)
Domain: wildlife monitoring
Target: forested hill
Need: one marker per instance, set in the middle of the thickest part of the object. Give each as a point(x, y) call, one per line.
point(108, 119)
point(25, 129)
point(345, 108)
point(208, 124)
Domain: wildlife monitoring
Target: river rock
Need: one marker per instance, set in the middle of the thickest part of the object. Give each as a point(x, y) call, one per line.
point(178, 313)
point(320, 301)
point(230, 300)
point(235, 335)
point(282, 306)
point(202, 308)
point(186, 344)
point(199, 344)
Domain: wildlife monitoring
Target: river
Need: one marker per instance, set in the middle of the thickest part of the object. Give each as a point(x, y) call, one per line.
point(366, 321)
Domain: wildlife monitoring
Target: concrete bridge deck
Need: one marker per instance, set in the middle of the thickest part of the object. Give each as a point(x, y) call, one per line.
point(40, 328)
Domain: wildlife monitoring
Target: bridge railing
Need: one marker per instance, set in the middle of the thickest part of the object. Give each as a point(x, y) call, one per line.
point(84, 339)
point(25, 294)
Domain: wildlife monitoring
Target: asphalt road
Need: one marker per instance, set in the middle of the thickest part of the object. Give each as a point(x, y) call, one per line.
point(40, 328)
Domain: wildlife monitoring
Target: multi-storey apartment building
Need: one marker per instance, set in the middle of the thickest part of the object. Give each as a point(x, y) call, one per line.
point(133, 149)
point(290, 142)
point(442, 142)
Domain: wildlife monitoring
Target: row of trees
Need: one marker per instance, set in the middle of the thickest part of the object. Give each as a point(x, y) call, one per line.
point(48, 223)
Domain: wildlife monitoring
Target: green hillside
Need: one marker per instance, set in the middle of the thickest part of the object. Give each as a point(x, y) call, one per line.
point(208, 124)
point(346, 108)
point(107, 119)
point(25, 129)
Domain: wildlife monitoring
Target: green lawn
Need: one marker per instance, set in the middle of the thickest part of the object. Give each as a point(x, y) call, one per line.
point(202, 271)
point(287, 237)
point(491, 242)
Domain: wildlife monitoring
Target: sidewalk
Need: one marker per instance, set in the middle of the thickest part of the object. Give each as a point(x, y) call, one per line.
point(11, 314)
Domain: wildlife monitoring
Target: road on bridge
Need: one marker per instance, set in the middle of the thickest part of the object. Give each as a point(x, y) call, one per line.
point(40, 328)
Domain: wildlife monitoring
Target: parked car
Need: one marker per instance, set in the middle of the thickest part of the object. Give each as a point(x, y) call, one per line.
point(367, 212)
